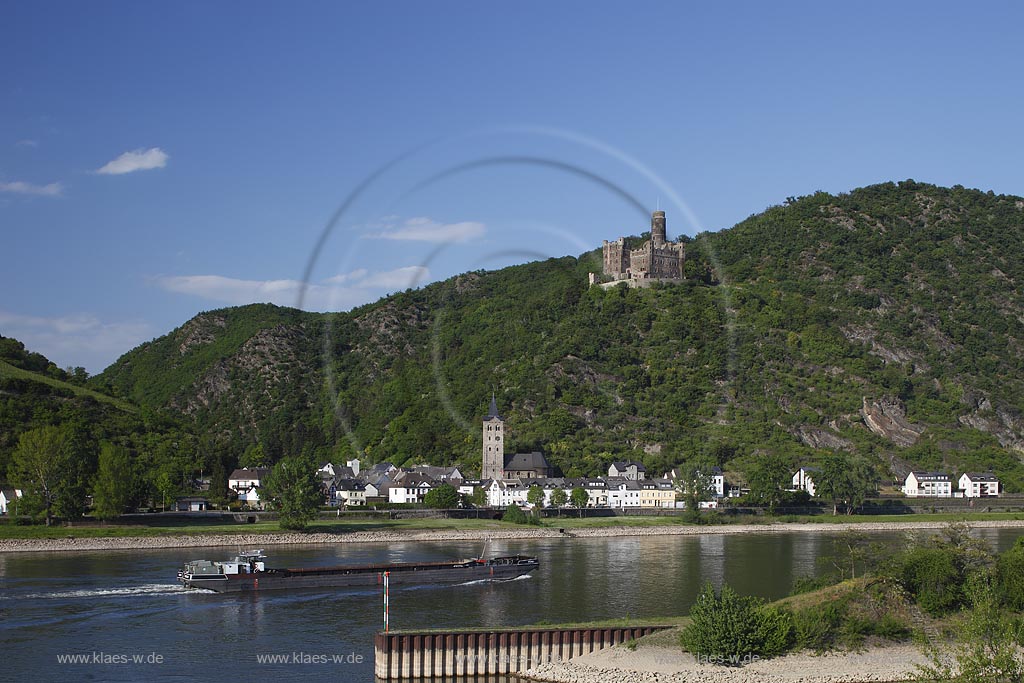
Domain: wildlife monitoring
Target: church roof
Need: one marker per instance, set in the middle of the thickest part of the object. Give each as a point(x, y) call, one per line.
point(522, 462)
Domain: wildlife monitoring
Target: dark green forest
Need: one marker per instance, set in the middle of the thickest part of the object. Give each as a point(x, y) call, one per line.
point(790, 326)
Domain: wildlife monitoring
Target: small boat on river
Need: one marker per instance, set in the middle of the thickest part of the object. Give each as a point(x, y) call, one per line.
point(248, 572)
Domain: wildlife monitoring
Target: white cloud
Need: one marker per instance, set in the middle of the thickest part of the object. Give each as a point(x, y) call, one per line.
point(399, 278)
point(136, 160)
point(79, 339)
point(21, 187)
point(423, 229)
point(26, 143)
point(355, 275)
point(339, 292)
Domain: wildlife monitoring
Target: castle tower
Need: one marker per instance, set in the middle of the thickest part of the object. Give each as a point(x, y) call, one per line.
point(658, 238)
point(494, 444)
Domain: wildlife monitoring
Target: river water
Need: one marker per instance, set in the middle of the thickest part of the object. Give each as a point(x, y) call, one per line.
point(120, 616)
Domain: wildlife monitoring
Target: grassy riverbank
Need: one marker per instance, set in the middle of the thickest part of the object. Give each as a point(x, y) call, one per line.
point(163, 527)
point(199, 526)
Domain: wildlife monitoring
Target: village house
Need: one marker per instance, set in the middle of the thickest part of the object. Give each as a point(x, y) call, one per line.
point(979, 484)
point(505, 492)
point(377, 492)
point(716, 481)
point(629, 469)
point(468, 487)
point(623, 493)
point(247, 482)
point(349, 493)
point(8, 498)
point(803, 480)
point(931, 484)
point(597, 490)
point(657, 493)
point(410, 487)
point(450, 475)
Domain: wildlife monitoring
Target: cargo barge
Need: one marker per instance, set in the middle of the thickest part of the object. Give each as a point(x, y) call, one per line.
point(248, 572)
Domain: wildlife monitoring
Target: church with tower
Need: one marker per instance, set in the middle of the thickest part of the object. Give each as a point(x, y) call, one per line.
point(496, 465)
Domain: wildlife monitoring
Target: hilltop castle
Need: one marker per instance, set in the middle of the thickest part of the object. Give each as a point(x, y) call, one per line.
point(658, 260)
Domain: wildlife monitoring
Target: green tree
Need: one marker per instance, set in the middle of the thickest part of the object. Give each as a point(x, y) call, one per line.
point(293, 488)
point(253, 457)
point(766, 478)
point(479, 497)
point(46, 466)
point(442, 497)
point(841, 479)
point(535, 497)
point(117, 484)
point(830, 480)
point(559, 498)
point(987, 648)
point(694, 484)
point(167, 484)
point(579, 498)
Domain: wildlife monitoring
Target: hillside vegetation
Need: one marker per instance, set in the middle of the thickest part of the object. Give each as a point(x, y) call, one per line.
point(886, 322)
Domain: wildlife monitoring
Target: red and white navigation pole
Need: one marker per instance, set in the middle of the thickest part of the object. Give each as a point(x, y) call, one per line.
point(386, 575)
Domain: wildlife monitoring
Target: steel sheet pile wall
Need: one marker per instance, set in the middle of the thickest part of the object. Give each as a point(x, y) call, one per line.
point(407, 655)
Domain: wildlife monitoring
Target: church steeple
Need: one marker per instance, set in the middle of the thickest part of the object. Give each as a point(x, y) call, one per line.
point(493, 444)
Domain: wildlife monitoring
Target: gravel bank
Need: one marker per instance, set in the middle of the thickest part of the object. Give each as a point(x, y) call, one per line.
point(649, 664)
point(235, 540)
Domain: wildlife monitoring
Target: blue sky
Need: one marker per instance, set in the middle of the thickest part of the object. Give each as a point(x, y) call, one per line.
point(161, 160)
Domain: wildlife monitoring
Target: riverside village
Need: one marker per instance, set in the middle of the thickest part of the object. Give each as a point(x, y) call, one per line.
point(507, 479)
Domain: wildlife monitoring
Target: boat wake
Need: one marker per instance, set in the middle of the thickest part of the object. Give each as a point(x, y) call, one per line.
point(489, 580)
point(126, 591)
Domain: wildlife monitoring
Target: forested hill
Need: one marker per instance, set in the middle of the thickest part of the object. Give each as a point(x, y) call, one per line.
point(34, 393)
point(886, 322)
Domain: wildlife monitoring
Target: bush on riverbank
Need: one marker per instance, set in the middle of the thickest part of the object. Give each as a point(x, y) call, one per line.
point(951, 581)
point(515, 515)
point(731, 629)
point(849, 617)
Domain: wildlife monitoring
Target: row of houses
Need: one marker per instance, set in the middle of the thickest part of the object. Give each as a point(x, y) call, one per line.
point(923, 484)
point(626, 485)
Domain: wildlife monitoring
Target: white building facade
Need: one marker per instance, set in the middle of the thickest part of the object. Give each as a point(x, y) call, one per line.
point(928, 484)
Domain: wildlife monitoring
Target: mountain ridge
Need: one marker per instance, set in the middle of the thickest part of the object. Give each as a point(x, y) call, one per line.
point(885, 322)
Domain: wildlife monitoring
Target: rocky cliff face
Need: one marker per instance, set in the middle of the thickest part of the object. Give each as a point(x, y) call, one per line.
point(887, 417)
point(1005, 424)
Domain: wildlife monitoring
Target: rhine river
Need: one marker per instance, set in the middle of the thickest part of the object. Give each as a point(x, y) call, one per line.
point(123, 613)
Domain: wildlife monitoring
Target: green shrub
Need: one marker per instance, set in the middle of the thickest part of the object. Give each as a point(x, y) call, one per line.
point(854, 629)
point(727, 628)
point(806, 584)
point(1009, 577)
point(892, 628)
point(516, 515)
point(932, 577)
point(817, 628)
